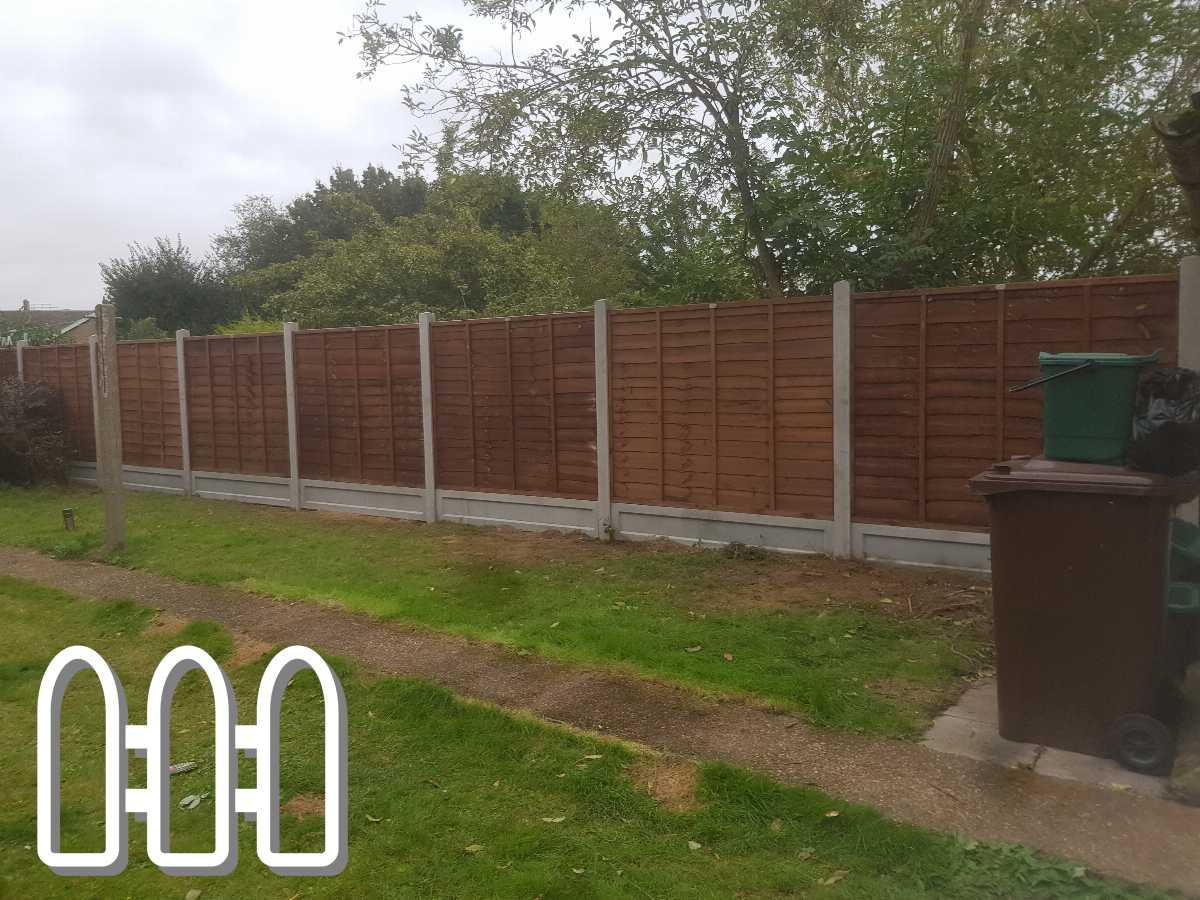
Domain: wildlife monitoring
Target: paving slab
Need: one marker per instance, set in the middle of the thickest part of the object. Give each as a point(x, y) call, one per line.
point(978, 704)
point(978, 740)
point(971, 728)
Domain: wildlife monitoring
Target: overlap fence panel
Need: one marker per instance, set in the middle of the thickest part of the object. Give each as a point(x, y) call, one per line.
point(66, 367)
point(932, 371)
point(724, 407)
point(149, 380)
point(237, 404)
point(8, 362)
point(515, 405)
point(358, 397)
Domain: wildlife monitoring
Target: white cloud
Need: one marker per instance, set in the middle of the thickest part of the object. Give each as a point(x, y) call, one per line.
point(128, 119)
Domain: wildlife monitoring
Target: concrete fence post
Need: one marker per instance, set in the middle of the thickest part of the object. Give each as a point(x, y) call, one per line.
point(1188, 352)
point(289, 379)
point(604, 523)
point(109, 448)
point(21, 345)
point(842, 543)
point(185, 439)
point(425, 343)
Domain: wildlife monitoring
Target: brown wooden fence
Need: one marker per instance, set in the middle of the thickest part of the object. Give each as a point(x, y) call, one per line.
point(67, 368)
point(724, 407)
point(8, 362)
point(932, 368)
point(358, 399)
point(237, 404)
point(149, 383)
point(515, 405)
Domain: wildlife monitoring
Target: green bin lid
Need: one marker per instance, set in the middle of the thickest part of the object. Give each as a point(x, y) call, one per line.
point(1101, 359)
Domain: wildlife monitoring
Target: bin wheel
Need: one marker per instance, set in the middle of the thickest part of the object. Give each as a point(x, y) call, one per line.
point(1142, 743)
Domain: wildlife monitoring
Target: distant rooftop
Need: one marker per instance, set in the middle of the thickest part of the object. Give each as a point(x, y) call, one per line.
point(27, 317)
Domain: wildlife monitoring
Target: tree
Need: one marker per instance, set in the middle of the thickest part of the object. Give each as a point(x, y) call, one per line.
point(447, 264)
point(681, 87)
point(481, 244)
point(689, 252)
point(165, 283)
point(950, 123)
point(1180, 136)
point(251, 324)
point(1052, 170)
point(262, 235)
point(40, 335)
point(265, 233)
point(140, 330)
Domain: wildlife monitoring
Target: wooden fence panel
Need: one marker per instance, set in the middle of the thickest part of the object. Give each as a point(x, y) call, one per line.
point(724, 407)
point(66, 367)
point(8, 362)
point(802, 388)
point(932, 371)
point(237, 404)
point(149, 379)
point(358, 397)
point(515, 405)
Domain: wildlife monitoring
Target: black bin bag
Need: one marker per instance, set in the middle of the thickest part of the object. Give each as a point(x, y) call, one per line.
point(1166, 423)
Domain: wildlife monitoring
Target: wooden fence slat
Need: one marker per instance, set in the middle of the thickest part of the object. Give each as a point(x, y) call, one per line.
point(553, 407)
point(1001, 386)
point(716, 415)
point(237, 402)
point(512, 412)
point(391, 404)
point(358, 420)
point(662, 451)
point(471, 402)
point(772, 498)
point(922, 411)
point(262, 406)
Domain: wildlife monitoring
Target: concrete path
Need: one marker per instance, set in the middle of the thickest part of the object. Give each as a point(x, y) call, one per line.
point(972, 728)
point(1114, 832)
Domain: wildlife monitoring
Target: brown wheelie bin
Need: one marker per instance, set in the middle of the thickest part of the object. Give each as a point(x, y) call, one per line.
point(1079, 572)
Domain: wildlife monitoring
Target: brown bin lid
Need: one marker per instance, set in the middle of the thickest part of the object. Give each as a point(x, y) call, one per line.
point(1040, 474)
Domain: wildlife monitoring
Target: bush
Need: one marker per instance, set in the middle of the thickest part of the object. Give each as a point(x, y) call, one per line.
point(33, 441)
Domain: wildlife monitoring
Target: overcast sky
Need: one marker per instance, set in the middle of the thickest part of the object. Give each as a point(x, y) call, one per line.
point(127, 119)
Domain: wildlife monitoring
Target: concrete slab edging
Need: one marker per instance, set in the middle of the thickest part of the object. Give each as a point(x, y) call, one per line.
point(706, 528)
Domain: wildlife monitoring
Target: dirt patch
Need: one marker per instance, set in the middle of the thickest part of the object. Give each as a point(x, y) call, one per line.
point(672, 782)
point(166, 624)
point(514, 547)
point(304, 805)
point(510, 545)
point(928, 697)
point(898, 593)
point(246, 649)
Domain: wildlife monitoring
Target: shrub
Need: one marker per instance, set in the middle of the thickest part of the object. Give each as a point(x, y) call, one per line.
point(33, 441)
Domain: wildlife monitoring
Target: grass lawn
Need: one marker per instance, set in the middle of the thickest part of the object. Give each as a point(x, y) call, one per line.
point(451, 799)
point(842, 644)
